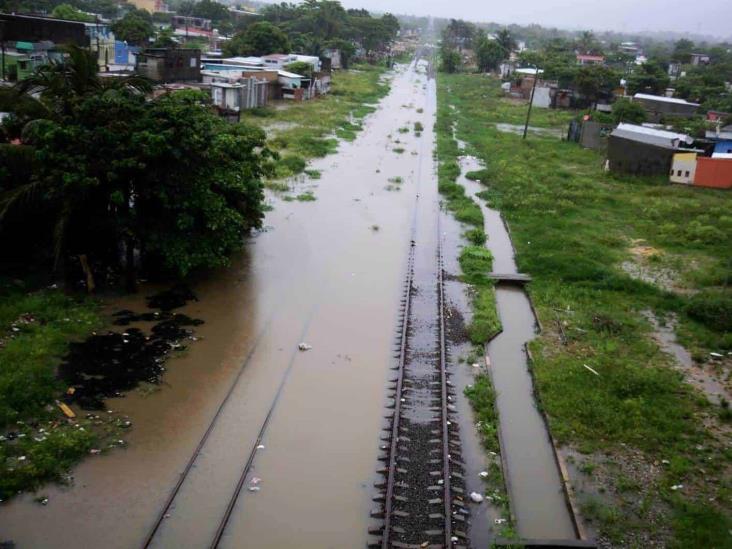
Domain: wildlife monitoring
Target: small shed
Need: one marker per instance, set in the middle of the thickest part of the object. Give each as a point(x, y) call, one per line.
point(683, 168)
point(715, 173)
point(639, 150)
point(658, 106)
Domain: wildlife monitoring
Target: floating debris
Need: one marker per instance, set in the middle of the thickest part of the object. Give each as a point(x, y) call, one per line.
point(304, 347)
point(476, 497)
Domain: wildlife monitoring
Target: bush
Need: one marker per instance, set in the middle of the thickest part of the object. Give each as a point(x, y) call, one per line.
point(713, 309)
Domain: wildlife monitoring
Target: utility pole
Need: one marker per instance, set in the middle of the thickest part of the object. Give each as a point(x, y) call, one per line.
point(2, 47)
point(531, 100)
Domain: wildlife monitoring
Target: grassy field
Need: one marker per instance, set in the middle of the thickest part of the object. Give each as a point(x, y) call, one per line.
point(584, 235)
point(311, 129)
point(38, 443)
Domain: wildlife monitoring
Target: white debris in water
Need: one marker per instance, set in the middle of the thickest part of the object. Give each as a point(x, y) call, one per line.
point(500, 521)
point(476, 365)
point(254, 488)
point(255, 481)
point(476, 497)
point(260, 447)
point(304, 347)
point(483, 474)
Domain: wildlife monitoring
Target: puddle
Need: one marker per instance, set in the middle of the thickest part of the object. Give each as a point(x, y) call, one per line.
point(518, 129)
point(704, 380)
point(106, 365)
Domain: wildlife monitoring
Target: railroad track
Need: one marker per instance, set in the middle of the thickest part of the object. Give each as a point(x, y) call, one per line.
point(422, 495)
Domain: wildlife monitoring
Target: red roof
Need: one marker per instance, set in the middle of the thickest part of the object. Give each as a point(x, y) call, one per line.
point(581, 57)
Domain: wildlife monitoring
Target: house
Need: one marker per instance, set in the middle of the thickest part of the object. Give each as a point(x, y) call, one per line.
point(170, 64)
point(334, 55)
point(278, 60)
point(15, 66)
point(658, 106)
point(583, 59)
point(683, 168)
point(629, 48)
point(723, 146)
point(152, 6)
point(639, 150)
point(245, 93)
point(713, 172)
point(700, 59)
point(31, 28)
point(714, 116)
point(125, 56)
point(191, 23)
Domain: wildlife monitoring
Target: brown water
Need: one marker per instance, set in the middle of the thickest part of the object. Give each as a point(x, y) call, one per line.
point(320, 274)
point(532, 476)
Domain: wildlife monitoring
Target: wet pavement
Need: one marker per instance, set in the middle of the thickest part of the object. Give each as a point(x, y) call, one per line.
point(320, 273)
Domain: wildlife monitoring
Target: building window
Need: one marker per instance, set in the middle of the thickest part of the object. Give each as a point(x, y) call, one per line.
point(678, 173)
point(687, 173)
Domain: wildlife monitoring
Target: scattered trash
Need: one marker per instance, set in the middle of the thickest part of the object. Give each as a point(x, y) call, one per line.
point(68, 412)
point(716, 355)
point(43, 500)
point(665, 461)
point(677, 487)
point(476, 497)
point(454, 539)
point(254, 488)
point(500, 521)
point(483, 474)
point(440, 482)
point(95, 451)
point(260, 447)
point(22, 458)
point(304, 347)
point(476, 365)
point(590, 369)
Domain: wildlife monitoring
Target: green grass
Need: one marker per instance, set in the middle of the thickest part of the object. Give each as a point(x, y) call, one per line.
point(573, 225)
point(35, 329)
point(398, 150)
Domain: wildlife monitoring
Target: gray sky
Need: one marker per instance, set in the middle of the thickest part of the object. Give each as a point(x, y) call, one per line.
point(707, 17)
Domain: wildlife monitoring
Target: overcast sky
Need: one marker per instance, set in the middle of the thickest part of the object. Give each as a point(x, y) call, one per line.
point(709, 17)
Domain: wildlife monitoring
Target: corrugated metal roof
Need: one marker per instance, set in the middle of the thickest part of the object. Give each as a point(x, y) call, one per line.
point(663, 99)
point(652, 136)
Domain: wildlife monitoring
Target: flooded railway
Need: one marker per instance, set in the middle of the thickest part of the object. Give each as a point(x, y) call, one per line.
point(252, 441)
point(327, 272)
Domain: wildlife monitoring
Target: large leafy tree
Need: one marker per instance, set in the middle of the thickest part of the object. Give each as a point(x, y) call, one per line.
point(260, 38)
point(488, 53)
point(648, 78)
point(135, 27)
point(165, 178)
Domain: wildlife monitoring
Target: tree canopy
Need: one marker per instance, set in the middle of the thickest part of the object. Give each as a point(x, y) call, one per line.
point(261, 38)
point(120, 173)
point(135, 27)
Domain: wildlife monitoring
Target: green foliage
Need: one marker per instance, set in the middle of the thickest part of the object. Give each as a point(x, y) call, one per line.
point(713, 309)
point(135, 27)
point(648, 78)
point(683, 49)
point(164, 39)
point(27, 377)
point(488, 53)
point(593, 81)
point(112, 166)
point(450, 60)
point(70, 13)
point(301, 68)
point(261, 38)
point(625, 110)
point(482, 397)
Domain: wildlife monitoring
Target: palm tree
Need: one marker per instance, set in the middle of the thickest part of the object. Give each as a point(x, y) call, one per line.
point(506, 41)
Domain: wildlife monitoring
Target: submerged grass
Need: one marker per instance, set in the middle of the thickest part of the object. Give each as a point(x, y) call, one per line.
point(311, 125)
point(573, 226)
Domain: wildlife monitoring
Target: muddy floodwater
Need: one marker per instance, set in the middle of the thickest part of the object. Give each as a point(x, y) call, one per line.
point(328, 273)
point(532, 475)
